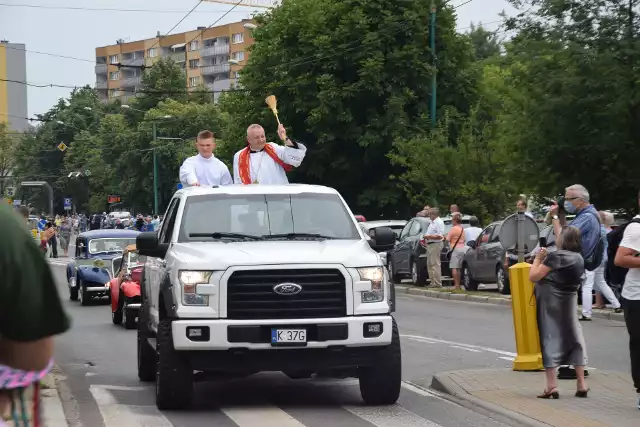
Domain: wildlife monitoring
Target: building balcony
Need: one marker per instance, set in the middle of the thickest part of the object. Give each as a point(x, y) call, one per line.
point(101, 68)
point(178, 56)
point(137, 62)
point(219, 85)
point(222, 49)
point(101, 84)
point(131, 81)
point(210, 70)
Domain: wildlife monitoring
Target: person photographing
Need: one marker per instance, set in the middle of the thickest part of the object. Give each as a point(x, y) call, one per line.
point(204, 168)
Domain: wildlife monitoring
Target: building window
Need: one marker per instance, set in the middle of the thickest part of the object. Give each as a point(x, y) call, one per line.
point(114, 75)
point(113, 59)
point(236, 74)
point(113, 93)
point(193, 45)
point(238, 56)
point(194, 81)
point(138, 54)
point(237, 38)
point(152, 53)
point(194, 63)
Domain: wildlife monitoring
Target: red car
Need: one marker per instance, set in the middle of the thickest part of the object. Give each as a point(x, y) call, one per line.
point(125, 288)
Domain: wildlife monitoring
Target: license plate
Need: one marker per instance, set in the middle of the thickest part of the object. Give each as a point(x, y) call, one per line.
point(288, 336)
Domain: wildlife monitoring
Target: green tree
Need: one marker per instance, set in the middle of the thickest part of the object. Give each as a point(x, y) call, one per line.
point(486, 44)
point(350, 76)
point(576, 116)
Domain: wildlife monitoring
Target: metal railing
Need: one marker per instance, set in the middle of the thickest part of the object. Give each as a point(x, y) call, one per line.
point(221, 49)
point(215, 69)
point(133, 62)
point(219, 85)
point(131, 81)
point(178, 56)
point(101, 84)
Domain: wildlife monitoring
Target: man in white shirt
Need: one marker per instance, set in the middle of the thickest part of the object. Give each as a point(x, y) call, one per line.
point(205, 168)
point(472, 232)
point(628, 256)
point(434, 238)
point(266, 163)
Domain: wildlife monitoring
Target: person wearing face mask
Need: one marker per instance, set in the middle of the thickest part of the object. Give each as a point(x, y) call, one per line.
point(587, 220)
point(204, 168)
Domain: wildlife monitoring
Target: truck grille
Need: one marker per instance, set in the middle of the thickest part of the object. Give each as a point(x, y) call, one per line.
point(250, 294)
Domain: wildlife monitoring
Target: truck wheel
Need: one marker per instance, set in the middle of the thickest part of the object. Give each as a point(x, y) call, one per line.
point(146, 354)
point(380, 384)
point(73, 291)
point(174, 376)
point(116, 316)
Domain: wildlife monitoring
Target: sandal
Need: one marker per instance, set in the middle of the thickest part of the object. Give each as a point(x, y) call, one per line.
point(550, 394)
point(582, 393)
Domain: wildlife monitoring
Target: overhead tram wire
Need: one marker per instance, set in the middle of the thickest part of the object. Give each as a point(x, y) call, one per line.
point(104, 9)
point(216, 21)
point(179, 22)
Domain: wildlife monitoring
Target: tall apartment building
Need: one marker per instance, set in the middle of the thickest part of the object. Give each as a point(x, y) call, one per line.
point(13, 96)
point(204, 54)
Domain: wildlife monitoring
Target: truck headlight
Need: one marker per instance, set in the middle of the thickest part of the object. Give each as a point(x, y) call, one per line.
point(189, 280)
point(376, 276)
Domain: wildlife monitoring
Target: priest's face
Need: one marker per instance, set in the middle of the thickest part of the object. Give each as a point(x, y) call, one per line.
point(205, 147)
point(256, 138)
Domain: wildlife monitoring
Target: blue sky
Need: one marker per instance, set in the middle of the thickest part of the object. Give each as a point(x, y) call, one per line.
point(77, 33)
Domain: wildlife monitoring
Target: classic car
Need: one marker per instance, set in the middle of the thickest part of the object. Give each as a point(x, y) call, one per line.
point(125, 287)
point(92, 267)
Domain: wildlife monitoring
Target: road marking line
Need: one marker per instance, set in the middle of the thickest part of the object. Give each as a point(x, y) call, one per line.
point(122, 387)
point(390, 416)
point(423, 391)
point(465, 348)
point(510, 359)
point(263, 416)
point(119, 415)
point(476, 347)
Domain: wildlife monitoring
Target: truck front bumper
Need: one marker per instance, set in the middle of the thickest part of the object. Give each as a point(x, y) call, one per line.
point(225, 334)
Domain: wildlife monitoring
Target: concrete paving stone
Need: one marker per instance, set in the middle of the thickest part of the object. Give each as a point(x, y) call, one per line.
point(458, 297)
point(478, 298)
point(495, 301)
point(416, 291)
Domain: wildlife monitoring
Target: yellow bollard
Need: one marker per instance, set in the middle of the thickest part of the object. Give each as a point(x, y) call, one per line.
point(525, 323)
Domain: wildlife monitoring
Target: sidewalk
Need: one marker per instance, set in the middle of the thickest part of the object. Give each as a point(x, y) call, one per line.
point(486, 297)
point(52, 412)
point(611, 401)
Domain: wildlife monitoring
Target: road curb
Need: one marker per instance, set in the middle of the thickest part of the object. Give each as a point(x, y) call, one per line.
point(52, 409)
point(442, 383)
point(428, 293)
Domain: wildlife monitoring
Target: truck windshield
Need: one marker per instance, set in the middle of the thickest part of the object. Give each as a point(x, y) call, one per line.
point(265, 215)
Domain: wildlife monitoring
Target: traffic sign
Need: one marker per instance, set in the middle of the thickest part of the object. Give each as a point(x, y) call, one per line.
point(17, 202)
point(67, 204)
point(113, 198)
point(10, 191)
point(62, 146)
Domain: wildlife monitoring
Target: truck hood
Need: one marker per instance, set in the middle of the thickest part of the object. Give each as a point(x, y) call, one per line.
point(220, 256)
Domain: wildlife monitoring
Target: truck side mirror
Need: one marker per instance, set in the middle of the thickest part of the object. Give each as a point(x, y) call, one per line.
point(383, 239)
point(147, 244)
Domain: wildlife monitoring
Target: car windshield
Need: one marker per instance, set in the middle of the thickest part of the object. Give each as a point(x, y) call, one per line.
point(97, 246)
point(246, 216)
point(135, 259)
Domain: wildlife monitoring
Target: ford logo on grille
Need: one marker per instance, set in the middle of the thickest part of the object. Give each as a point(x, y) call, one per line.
point(287, 289)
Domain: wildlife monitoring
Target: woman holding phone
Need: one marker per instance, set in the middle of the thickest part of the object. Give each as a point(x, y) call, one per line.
point(558, 276)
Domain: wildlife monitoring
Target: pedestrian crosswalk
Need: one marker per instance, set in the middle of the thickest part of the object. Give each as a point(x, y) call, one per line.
point(115, 413)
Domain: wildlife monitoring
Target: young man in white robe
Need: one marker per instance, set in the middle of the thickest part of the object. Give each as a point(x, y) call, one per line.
point(266, 163)
point(204, 168)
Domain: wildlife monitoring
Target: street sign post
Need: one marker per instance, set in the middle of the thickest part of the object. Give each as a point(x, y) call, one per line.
point(67, 204)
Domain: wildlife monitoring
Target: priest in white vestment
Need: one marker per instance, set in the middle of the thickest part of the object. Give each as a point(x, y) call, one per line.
point(205, 168)
point(263, 162)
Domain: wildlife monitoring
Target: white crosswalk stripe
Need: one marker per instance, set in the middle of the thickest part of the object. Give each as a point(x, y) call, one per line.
point(117, 414)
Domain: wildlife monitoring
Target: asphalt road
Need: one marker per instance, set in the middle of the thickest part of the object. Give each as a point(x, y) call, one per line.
point(98, 360)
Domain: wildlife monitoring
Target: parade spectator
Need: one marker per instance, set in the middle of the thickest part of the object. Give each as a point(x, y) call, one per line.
point(30, 315)
point(434, 238)
point(472, 232)
point(453, 209)
point(587, 220)
point(628, 256)
point(455, 237)
point(45, 238)
point(522, 206)
point(599, 283)
point(558, 276)
point(65, 231)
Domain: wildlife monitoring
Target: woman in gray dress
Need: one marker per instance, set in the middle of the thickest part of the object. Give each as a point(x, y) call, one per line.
point(558, 276)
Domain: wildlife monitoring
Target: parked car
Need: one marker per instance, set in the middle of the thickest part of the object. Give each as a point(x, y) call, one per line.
point(92, 268)
point(484, 260)
point(409, 257)
point(368, 227)
point(125, 287)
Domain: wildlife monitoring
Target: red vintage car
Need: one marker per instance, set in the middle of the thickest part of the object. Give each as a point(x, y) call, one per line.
point(125, 288)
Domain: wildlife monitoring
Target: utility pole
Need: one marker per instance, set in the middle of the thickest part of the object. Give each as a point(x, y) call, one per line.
point(432, 36)
point(155, 170)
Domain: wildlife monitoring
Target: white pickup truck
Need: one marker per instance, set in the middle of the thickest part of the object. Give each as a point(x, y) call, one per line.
point(248, 278)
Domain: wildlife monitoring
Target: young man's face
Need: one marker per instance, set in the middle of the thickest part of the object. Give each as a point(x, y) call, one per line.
point(205, 147)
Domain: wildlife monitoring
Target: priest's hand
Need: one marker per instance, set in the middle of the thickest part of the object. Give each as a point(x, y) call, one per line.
point(282, 133)
point(195, 184)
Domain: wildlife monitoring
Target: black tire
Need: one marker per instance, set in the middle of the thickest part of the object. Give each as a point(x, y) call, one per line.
point(505, 287)
point(380, 384)
point(84, 298)
point(419, 276)
point(116, 316)
point(468, 282)
point(129, 320)
point(174, 376)
point(146, 353)
point(73, 293)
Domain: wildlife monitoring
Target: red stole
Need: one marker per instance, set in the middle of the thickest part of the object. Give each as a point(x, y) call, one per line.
point(244, 162)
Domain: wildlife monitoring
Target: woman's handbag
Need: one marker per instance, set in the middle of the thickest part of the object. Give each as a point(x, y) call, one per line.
point(455, 244)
